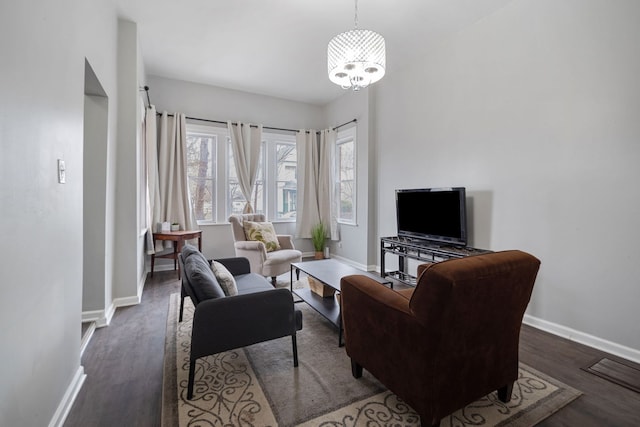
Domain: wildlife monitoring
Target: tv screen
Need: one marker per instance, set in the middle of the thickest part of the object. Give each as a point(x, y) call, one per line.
point(433, 215)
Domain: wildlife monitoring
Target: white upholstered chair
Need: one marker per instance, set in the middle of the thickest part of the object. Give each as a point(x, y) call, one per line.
point(269, 264)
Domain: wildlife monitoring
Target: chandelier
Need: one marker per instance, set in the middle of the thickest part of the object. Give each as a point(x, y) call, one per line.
point(356, 58)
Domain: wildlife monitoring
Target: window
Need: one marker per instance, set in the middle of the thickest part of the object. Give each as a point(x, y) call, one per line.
point(201, 170)
point(213, 185)
point(345, 176)
point(274, 193)
point(235, 198)
point(285, 161)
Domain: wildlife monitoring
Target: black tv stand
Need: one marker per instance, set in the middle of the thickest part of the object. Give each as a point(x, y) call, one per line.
point(420, 250)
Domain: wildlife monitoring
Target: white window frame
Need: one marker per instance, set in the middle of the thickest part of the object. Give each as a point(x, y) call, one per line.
point(223, 152)
point(343, 137)
point(221, 136)
point(228, 201)
point(271, 140)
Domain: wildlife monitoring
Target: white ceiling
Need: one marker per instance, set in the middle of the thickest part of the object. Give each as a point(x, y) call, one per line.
point(278, 47)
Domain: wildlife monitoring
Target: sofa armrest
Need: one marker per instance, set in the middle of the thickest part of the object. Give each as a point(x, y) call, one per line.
point(236, 265)
point(223, 324)
point(285, 241)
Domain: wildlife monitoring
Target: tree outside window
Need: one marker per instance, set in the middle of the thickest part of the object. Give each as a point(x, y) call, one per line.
point(201, 161)
point(346, 176)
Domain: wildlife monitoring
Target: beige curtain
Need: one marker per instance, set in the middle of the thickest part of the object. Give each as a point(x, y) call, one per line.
point(326, 179)
point(150, 153)
point(315, 181)
point(245, 143)
point(308, 213)
point(174, 200)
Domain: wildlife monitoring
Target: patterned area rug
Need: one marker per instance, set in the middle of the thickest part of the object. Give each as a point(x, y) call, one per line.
point(258, 386)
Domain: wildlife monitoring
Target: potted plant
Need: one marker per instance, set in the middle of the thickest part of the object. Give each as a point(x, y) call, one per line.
point(175, 226)
point(318, 237)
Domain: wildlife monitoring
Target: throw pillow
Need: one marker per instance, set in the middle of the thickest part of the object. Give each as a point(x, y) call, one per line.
point(225, 279)
point(262, 232)
point(203, 281)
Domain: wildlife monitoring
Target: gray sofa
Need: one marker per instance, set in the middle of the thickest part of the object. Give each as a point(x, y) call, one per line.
point(258, 313)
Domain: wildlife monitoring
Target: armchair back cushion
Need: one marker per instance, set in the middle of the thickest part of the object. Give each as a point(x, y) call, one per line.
point(203, 282)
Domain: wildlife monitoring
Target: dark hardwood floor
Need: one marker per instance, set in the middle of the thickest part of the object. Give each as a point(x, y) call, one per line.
point(123, 363)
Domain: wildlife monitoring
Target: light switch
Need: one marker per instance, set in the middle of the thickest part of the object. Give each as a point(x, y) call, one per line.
point(62, 178)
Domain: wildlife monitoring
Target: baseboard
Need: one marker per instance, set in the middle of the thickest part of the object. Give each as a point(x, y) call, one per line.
point(352, 263)
point(141, 283)
point(69, 397)
point(101, 318)
point(84, 342)
point(583, 338)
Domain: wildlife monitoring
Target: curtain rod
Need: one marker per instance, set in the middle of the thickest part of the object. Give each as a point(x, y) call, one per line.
point(146, 89)
point(255, 126)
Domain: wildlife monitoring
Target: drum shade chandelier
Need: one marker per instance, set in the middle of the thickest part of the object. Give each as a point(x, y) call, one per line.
point(356, 58)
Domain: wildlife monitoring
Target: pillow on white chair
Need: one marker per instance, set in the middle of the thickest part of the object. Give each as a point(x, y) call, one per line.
point(262, 232)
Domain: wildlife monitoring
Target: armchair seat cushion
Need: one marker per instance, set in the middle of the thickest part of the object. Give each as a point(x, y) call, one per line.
point(275, 260)
point(251, 283)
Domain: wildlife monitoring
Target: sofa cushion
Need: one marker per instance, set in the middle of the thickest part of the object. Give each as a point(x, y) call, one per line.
point(189, 250)
point(204, 284)
point(252, 282)
point(262, 232)
point(225, 279)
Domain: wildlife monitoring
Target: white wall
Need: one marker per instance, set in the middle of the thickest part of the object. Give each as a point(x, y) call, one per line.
point(128, 240)
point(535, 110)
point(43, 46)
point(355, 105)
point(214, 103)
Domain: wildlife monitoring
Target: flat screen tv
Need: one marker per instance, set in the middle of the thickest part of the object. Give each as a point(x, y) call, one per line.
point(436, 215)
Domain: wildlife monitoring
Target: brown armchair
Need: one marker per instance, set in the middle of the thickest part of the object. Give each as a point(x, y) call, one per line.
point(450, 340)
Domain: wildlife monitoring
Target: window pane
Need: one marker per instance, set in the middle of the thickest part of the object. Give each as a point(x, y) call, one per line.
point(286, 181)
point(345, 180)
point(236, 200)
point(346, 200)
point(201, 172)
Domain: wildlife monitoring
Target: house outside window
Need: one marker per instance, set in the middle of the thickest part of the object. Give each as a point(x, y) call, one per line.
point(345, 176)
point(285, 163)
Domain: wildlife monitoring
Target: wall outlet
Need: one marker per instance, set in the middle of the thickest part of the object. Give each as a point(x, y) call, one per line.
point(62, 175)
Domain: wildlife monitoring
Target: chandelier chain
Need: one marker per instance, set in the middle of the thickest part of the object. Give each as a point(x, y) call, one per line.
point(356, 14)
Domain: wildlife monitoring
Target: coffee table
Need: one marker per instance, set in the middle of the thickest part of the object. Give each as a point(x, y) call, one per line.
point(329, 272)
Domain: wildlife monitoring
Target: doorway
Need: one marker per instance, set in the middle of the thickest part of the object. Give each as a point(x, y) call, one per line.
point(95, 289)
